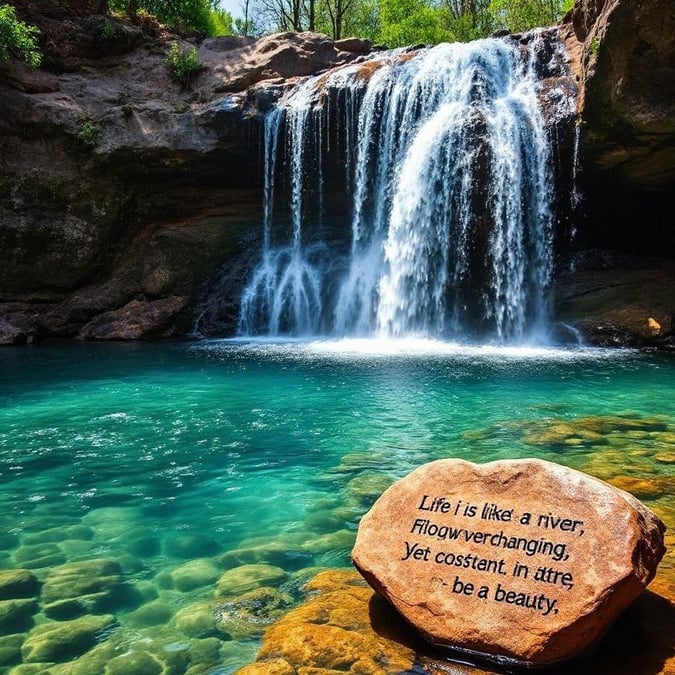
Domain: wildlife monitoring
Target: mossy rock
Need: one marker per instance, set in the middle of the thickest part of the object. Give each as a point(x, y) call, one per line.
point(194, 574)
point(59, 534)
point(16, 615)
point(365, 488)
point(197, 620)
point(39, 556)
point(333, 541)
point(71, 608)
point(18, 584)
point(151, 614)
point(190, 546)
point(64, 640)
point(10, 649)
point(273, 552)
point(247, 617)
point(245, 578)
point(83, 578)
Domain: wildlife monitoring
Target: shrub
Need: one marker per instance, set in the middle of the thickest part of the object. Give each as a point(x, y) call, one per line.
point(182, 64)
point(88, 134)
point(18, 38)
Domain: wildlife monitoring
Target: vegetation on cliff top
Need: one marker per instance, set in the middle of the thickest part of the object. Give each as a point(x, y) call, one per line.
point(401, 22)
point(18, 38)
point(392, 22)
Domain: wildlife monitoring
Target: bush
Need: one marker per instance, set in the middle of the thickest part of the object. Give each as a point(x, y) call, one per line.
point(88, 134)
point(18, 38)
point(182, 64)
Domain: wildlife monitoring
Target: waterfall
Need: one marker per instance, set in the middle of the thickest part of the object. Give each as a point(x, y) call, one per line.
point(448, 171)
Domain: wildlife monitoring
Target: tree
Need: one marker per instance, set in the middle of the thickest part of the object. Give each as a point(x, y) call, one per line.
point(18, 38)
point(521, 15)
point(337, 11)
point(202, 15)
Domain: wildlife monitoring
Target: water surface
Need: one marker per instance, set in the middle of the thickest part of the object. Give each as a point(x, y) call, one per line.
point(183, 461)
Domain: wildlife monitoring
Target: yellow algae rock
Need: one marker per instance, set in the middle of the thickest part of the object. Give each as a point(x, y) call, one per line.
point(642, 488)
point(343, 628)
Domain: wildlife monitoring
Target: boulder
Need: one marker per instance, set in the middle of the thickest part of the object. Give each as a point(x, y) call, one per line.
point(18, 584)
point(342, 628)
point(62, 640)
point(522, 561)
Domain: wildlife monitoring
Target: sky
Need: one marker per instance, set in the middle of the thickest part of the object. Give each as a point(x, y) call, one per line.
point(233, 7)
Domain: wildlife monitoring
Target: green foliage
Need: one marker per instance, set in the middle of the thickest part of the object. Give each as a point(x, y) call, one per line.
point(18, 38)
point(107, 32)
point(220, 23)
point(182, 64)
point(521, 15)
point(88, 134)
point(406, 22)
point(201, 15)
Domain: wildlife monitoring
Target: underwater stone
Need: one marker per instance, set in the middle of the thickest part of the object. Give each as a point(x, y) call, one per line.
point(333, 541)
point(194, 574)
point(39, 556)
point(524, 561)
point(244, 578)
point(82, 578)
point(247, 616)
point(15, 615)
point(63, 640)
point(281, 553)
point(10, 649)
point(18, 584)
point(59, 534)
point(71, 608)
point(151, 614)
point(197, 620)
point(190, 546)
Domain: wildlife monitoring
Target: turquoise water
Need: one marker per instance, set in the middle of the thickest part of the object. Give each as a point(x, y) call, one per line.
point(232, 452)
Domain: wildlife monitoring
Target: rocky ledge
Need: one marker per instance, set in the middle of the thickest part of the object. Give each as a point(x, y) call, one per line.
point(122, 192)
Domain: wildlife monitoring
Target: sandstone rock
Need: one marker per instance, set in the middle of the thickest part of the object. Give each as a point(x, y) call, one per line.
point(18, 584)
point(61, 640)
point(524, 560)
point(340, 629)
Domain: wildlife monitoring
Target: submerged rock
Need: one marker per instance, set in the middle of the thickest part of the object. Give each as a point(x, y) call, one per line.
point(247, 616)
point(63, 640)
point(245, 578)
point(18, 584)
point(524, 561)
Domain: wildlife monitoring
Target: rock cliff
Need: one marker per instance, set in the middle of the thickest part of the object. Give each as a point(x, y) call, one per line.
point(123, 192)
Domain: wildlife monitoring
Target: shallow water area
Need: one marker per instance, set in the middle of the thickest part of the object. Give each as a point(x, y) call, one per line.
point(181, 479)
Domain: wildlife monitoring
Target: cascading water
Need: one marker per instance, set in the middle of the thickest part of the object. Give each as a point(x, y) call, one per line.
point(449, 173)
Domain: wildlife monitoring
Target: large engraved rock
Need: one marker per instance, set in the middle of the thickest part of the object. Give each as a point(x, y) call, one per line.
point(524, 561)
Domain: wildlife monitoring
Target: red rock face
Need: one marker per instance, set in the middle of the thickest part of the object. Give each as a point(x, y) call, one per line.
point(524, 561)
